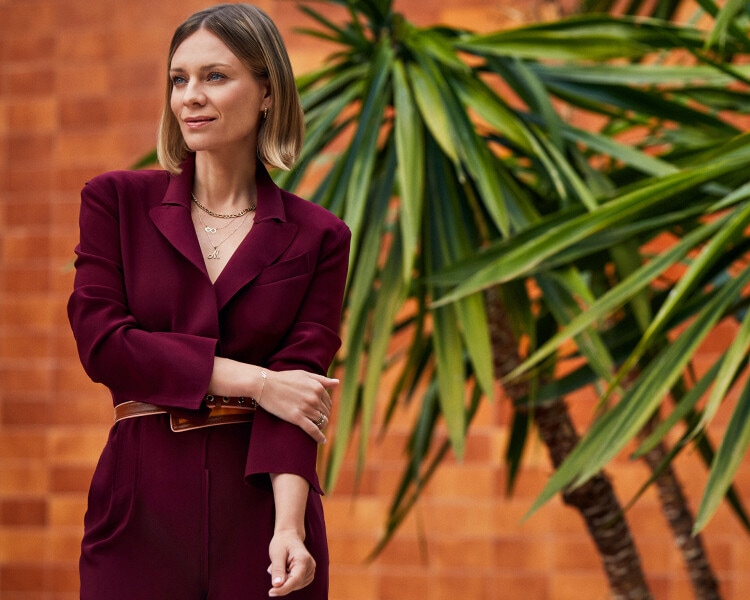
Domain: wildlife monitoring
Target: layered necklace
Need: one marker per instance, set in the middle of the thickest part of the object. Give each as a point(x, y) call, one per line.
point(207, 210)
point(215, 254)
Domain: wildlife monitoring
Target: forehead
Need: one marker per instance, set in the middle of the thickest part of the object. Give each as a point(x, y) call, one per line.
point(202, 47)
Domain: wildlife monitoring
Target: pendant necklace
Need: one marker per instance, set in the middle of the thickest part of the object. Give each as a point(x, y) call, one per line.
point(215, 253)
point(209, 229)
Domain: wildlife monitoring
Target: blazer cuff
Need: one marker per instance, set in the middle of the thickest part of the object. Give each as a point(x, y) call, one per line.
point(280, 447)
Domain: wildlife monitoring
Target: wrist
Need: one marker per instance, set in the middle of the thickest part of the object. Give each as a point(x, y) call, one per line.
point(260, 377)
point(263, 374)
point(290, 529)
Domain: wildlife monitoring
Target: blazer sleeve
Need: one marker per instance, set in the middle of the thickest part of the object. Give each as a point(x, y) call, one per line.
point(166, 368)
point(311, 344)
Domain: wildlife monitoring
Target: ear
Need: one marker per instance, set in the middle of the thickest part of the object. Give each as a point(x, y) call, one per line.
point(267, 94)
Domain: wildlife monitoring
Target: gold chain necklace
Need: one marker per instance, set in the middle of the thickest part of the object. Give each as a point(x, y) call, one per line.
point(206, 210)
point(215, 254)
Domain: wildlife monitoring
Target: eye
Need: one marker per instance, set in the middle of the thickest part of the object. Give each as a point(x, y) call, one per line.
point(178, 80)
point(215, 76)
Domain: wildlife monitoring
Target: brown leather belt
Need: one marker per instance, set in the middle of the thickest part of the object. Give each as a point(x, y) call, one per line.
point(217, 410)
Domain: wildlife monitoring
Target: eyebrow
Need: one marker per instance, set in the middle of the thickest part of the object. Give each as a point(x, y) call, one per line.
point(203, 68)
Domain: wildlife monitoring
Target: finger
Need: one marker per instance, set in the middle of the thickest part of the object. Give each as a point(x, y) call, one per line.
point(283, 590)
point(278, 573)
point(316, 400)
point(327, 403)
point(301, 573)
point(293, 582)
point(320, 420)
point(322, 409)
point(310, 429)
point(288, 586)
point(279, 556)
point(323, 402)
point(319, 398)
point(322, 396)
point(321, 405)
point(326, 382)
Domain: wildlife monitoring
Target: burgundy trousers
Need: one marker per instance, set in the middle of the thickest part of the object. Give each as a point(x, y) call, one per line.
point(170, 516)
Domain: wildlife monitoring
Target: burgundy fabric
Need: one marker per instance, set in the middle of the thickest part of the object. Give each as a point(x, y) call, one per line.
point(148, 321)
point(170, 516)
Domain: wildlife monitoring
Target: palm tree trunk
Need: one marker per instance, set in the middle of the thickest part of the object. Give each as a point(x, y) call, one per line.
point(595, 500)
point(680, 519)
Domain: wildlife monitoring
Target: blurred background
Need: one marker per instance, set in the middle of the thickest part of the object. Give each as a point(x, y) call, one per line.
point(81, 87)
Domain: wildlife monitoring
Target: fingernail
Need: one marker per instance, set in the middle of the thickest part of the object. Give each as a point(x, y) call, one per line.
point(277, 579)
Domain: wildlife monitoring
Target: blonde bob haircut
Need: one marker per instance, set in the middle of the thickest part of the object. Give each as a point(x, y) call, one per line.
point(254, 39)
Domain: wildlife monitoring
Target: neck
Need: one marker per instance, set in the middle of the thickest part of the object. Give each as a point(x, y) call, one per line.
point(224, 184)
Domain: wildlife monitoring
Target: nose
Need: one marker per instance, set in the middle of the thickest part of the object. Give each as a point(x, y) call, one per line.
point(194, 94)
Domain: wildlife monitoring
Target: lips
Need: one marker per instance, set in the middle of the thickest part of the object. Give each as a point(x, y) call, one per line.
point(196, 122)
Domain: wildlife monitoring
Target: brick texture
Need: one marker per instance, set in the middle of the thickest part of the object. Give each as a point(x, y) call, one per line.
point(80, 93)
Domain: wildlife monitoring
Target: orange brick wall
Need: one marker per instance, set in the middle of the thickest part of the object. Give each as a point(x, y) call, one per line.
point(80, 90)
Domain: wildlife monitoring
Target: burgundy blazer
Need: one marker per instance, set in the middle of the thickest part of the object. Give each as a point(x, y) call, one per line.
point(148, 321)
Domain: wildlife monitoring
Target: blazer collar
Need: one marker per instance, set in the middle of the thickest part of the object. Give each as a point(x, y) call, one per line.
point(270, 204)
point(270, 236)
point(172, 217)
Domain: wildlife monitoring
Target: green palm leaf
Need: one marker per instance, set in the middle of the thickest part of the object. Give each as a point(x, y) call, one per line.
point(451, 187)
point(524, 259)
point(588, 37)
point(410, 151)
point(728, 458)
point(609, 435)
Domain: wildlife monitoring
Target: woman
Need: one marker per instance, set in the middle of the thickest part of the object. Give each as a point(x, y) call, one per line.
point(208, 300)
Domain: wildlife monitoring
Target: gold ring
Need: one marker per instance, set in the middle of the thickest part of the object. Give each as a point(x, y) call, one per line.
point(320, 420)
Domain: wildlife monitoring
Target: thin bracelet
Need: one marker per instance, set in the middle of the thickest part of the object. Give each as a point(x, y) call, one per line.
point(263, 374)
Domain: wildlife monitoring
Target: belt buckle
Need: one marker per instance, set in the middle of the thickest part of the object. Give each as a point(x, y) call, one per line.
point(221, 410)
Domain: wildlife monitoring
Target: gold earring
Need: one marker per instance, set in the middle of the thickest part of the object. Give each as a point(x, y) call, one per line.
point(265, 113)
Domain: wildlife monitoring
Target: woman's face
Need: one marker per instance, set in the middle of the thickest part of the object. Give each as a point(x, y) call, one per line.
point(215, 98)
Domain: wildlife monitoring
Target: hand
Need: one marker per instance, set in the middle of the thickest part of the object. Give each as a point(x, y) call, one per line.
point(292, 566)
point(300, 398)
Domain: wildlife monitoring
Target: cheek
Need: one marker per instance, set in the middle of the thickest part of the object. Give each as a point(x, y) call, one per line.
point(249, 120)
point(174, 104)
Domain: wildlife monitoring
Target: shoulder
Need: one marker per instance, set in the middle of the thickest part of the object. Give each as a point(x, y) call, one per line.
point(130, 180)
point(308, 214)
point(118, 191)
point(123, 177)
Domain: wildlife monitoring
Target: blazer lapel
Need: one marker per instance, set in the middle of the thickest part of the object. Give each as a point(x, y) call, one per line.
point(172, 216)
point(270, 236)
